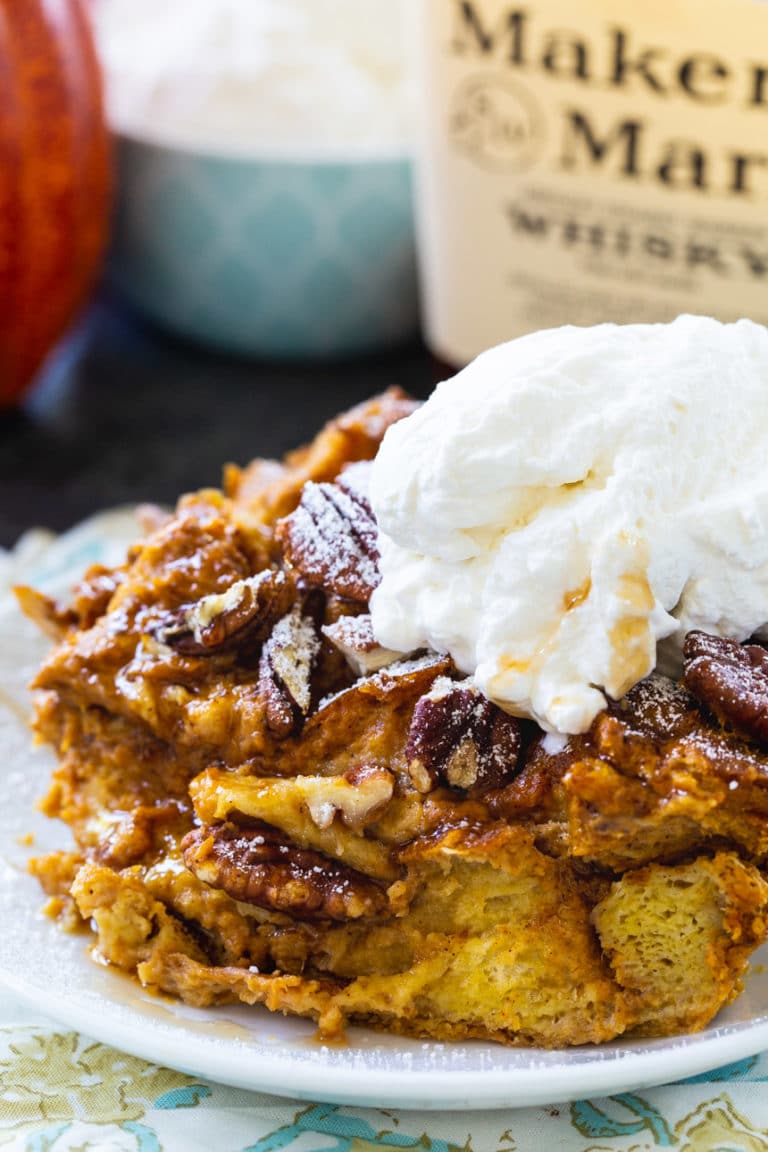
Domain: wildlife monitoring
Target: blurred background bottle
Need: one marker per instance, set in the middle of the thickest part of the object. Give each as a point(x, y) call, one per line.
point(586, 161)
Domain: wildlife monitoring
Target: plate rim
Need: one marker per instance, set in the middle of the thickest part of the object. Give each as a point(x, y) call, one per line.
point(416, 1089)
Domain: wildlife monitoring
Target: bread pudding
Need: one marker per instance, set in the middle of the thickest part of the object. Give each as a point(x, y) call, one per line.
point(270, 807)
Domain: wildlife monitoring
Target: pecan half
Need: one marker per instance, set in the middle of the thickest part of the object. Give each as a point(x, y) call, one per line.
point(399, 683)
point(459, 738)
point(331, 540)
point(285, 671)
point(353, 637)
point(245, 613)
point(657, 707)
point(730, 680)
point(258, 865)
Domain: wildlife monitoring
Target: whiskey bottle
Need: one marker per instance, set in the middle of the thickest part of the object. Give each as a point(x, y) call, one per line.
point(589, 161)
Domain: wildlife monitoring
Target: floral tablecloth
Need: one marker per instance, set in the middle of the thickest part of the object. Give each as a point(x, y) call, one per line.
point(63, 1092)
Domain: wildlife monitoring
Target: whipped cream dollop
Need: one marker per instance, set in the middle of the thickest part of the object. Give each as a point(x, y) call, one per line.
point(247, 77)
point(572, 499)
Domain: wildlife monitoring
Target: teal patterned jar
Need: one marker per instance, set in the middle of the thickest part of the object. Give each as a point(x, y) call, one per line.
point(274, 258)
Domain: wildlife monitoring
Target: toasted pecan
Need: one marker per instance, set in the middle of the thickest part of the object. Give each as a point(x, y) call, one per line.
point(258, 865)
point(459, 738)
point(730, 680)
point(246, 612)
point(285, 670)
point(331, 540)
point(353, 637)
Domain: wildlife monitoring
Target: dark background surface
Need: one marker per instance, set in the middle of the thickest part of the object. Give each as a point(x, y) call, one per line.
point(124, 413)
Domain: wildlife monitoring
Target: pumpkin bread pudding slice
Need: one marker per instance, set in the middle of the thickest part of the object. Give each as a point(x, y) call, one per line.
point(268, 807)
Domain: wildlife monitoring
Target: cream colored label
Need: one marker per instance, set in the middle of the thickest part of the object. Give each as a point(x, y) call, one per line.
point(591, 160)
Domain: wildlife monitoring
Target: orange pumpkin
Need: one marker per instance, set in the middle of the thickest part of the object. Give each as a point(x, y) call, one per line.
point(55, 179)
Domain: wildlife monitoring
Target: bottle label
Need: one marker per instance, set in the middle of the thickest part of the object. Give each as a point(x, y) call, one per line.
point(590, 160)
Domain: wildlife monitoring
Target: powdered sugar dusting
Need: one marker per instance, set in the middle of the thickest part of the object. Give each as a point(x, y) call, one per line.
point(353, 636)
point(660, 706)
point(352, 631)
point(401, 668)
point(331, 539)
point(356, 478)
point(292, 650)
point(387, 678)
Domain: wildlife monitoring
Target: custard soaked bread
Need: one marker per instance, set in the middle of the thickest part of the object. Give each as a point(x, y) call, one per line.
point(269, 807)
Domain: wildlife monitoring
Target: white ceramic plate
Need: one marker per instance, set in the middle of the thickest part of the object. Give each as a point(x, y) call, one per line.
point(249, 1047)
